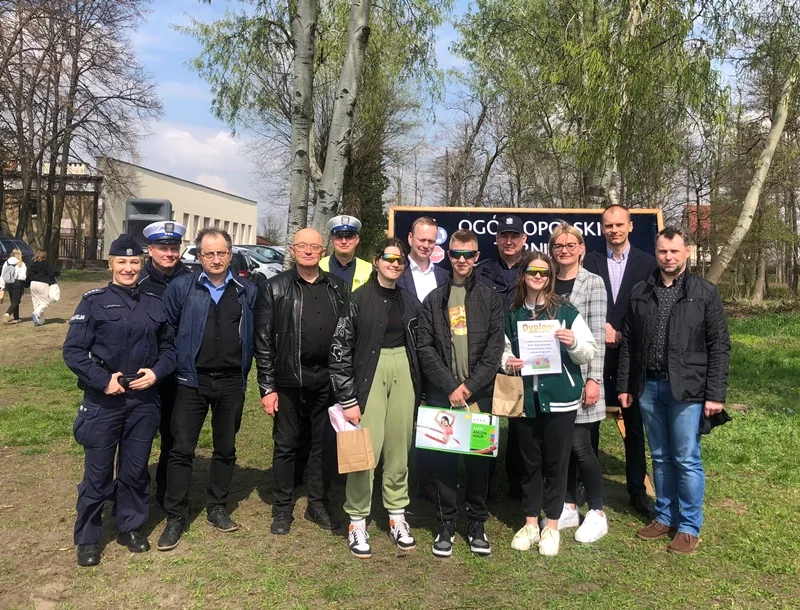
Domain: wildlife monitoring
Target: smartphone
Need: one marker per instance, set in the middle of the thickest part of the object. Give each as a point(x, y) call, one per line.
point(124, 380)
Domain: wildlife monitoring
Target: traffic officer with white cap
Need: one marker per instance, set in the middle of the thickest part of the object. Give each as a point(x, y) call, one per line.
point(119, 344)
point(344, 264)
point(163, 265)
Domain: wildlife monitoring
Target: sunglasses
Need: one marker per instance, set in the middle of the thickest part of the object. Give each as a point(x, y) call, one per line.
point(467, 254)
point(393, 258)
point(534, 271)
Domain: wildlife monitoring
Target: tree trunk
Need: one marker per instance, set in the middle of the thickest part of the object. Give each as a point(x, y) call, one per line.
point(777, 124)
point(795, 276)
point(329, 194)
point(761, 275)
point(304, 30)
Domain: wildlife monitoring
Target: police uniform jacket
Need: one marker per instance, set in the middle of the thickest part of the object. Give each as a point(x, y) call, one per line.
point(118, 329)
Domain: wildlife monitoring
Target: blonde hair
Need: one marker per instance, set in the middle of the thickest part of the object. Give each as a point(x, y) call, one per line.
point(565, 228)
point(17, 253)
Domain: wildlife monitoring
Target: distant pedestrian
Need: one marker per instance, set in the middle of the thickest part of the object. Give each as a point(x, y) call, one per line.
point(42, 275)
point(12, 279)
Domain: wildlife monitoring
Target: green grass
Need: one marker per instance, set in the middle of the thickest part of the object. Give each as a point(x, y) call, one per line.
point(85, 275)
point(749, 557)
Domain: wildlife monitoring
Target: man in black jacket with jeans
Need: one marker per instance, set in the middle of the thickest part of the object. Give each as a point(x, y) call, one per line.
point(295, 318)
point(674, 359)
point(461, 339)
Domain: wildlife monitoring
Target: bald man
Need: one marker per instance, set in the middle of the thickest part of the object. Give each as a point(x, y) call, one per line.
point(295, 316)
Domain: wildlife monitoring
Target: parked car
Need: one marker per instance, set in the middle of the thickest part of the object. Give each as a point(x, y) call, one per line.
point(8, 243)
point(273, 254)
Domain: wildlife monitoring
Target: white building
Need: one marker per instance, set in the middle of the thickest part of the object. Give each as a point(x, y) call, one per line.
point(194, 205)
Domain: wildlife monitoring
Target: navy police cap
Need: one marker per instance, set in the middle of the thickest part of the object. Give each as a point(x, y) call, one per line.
point(125, 245)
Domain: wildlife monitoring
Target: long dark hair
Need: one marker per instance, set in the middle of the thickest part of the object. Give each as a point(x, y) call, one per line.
point(389, 242)
point(551, 299)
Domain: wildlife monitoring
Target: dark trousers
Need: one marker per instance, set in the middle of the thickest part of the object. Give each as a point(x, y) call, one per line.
point(167, 390)
point(635, 460)
point(513, 459)
point(224, 395)
point(445, 471)
point(107, 427)
point(302, 418)
point(583, 460)
point(15, 291)
point(545, 443)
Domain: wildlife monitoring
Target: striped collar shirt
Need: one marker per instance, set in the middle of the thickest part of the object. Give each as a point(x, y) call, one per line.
point(616, 269)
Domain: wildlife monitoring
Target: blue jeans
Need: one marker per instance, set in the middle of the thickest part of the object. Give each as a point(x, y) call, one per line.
point(673, 432)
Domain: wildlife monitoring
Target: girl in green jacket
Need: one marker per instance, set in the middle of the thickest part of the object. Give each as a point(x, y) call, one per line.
point(550, 400)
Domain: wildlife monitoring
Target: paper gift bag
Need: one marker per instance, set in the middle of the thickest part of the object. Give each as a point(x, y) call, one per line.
point(508, 396)
point(355, 450)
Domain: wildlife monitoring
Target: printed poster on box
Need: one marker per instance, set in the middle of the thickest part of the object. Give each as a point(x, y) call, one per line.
point(457, 431)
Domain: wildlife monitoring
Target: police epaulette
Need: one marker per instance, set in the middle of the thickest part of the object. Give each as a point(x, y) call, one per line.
point(93, 291)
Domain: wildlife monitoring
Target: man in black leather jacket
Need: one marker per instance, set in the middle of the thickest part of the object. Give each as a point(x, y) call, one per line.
point(295, 318)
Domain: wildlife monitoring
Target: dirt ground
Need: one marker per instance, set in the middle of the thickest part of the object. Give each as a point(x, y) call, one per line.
point(22, 343)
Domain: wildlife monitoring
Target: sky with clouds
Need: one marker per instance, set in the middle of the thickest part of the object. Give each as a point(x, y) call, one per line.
point(188, 142)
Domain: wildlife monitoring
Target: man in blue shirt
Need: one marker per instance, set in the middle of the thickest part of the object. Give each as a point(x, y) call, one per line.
point(209, 312)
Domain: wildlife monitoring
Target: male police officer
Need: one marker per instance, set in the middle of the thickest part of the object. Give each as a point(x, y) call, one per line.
point(163, 265)
point(119, 344)
point(344, 264)
point(501, 274)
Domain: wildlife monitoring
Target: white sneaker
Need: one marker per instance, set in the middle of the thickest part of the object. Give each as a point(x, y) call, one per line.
point(549, 542)
point(358, 541)
point(525, 538)
point(593, 528)
point(6, 318)
point(400, 533)
point(570, 517)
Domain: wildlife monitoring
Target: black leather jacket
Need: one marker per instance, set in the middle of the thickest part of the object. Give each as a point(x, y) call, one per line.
point(277, 327)
point(699, 346)
point(357, 344)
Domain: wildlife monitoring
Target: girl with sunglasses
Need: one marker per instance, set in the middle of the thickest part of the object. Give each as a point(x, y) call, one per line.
point(550, 401)
point(375, 377)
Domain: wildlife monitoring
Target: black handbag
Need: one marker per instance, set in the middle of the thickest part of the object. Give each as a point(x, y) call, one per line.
point(707, 424)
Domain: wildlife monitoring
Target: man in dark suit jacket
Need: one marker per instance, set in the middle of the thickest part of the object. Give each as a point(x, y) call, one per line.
point(622, 267)
point(421, 276)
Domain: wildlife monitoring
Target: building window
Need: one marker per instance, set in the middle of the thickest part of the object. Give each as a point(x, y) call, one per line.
point(234, 233)
point(227, 225)
point(216, 223)
point(195, 225)
point(206, 222)
point(186, 221)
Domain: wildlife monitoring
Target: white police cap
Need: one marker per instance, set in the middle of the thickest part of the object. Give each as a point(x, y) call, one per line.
point(344, 224)
point(164, 232)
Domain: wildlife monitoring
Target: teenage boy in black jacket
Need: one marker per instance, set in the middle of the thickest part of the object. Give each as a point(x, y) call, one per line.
point(461, 340)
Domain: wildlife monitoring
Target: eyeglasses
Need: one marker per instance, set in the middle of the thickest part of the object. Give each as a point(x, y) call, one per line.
point(568, 247)
point(467, 254)
point(393, 258)
point(534, 271)
point(210, 256)
point(315, 248)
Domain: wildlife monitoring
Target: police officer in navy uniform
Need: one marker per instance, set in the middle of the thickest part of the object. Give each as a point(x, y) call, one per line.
point(163, 265)
point(119, 344)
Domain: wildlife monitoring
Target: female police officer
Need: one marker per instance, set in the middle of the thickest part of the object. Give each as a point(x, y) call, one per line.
point(118, 344)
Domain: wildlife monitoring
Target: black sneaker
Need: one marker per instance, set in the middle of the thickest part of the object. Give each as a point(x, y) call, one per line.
point(445, 535)
point(171, 536)
point(322, 518)
point(88, 555)
point(281, 523)
point(478, 543)
point(218, 517)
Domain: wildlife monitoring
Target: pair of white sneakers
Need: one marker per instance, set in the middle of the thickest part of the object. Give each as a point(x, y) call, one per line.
point(399, 533)
point(548, 540)
point(594, 526)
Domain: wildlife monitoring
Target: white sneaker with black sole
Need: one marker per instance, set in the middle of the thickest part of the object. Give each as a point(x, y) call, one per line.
point(400, 533)
point(478, 543)
point(358, 540)
point(445, 535)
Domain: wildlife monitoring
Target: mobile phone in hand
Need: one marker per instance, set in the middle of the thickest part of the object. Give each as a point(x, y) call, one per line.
point(125, 380)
